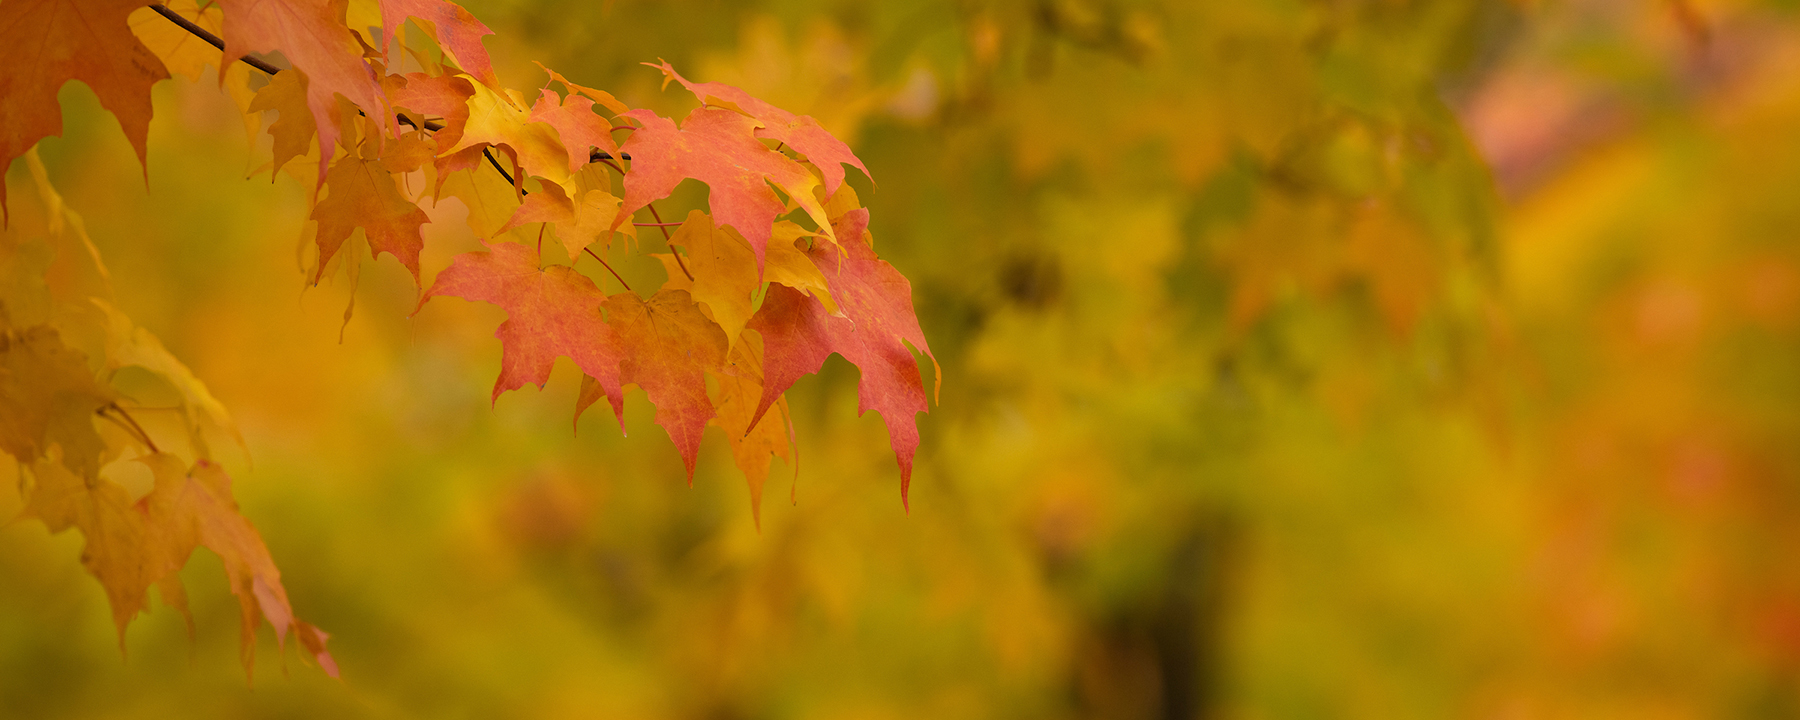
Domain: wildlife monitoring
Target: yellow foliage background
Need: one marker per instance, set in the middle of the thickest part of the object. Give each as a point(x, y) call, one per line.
point(1301, 359)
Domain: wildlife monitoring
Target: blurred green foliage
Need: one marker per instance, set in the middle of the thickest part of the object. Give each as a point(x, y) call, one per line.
point(1302, 360)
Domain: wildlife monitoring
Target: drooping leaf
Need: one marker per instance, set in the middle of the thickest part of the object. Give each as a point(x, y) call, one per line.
point(48, 398)
point(550, 311)
point(455, 29)
point(724, 270)
point(310, 34)
point(577, 123)
point(716, 147)
point(361, 193)
point(577, 225)
point(752, 445)
point(876, 301)
point(118, 550)
point(669, 348)
point(193, 507)
point(294, 129)
point(45, 43)
point(800, 132)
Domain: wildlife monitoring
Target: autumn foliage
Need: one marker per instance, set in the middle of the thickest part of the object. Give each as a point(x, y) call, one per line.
point(779, 275)
point(1300, 359)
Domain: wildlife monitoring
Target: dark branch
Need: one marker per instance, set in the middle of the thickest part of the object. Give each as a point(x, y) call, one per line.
point(210, 38)
point(265, 66)
point(503, 172)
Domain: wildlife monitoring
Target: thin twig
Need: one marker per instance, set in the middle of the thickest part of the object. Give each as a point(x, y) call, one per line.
point(639, 224)
point(602, 157)
point(664, 227)
point(130, 425)
point(659, 221)
point(609, 269)
point(210, 38)
point(503, 173)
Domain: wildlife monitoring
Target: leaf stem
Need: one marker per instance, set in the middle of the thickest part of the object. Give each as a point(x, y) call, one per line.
point(664, 227)
point(502, 171)
point(210, 38)
point(128, 424)
point(609, 269)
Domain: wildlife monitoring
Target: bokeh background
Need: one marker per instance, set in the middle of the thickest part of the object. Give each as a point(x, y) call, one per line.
point(1302, 359)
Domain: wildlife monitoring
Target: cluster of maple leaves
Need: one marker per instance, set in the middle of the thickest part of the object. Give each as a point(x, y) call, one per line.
point(778, 276)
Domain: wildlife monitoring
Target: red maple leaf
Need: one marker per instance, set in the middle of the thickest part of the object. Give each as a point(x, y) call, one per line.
point(549, 312)
point(311, 35)
point(876, 302)
point(575, 120)
point(45, 43)
point(716, 147)
point(361, 193)
point(800, 132)
point(456, 30)
point(671, 346)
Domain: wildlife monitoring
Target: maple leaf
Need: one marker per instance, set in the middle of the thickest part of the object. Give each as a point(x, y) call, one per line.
point(310, 34)
point(456, 30)
point(752, 444)
point(724, 274)
point(577, 226)
point(408, 153)
point(443, 96)
point(191, 507)
point(46, 43)
point(503, 121)
point(180, 51)
point(490, 199)
point(361, 193)
point(800, 132)
point(128, 345)
point(670, 347)
point(48, 398)
point(716, 147)
point(787, 264)
point(117, 551)
point(293, 130)
point(551, 311)
point(600, 96)
point(876, 300)
point(575, 120)
point(187, 55)
point(133, 545)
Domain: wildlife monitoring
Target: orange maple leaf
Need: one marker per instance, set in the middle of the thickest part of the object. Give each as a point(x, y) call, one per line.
point(549, 312)
point(361, 193)
point(310, 34)
point(716, 147)
point(455, 29)
point(670, 346)
point(46, 43)
point(800, 132)
point(876, 301)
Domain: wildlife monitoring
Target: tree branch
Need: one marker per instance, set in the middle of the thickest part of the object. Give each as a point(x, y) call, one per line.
point(265, 66)
point(210, 38)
